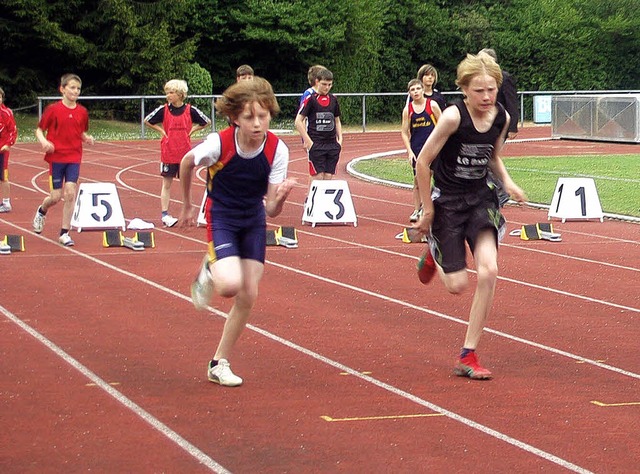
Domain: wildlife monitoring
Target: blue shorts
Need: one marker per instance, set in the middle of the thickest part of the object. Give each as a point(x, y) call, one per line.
point(4, 166)
point(243, 236)
point(60, 173)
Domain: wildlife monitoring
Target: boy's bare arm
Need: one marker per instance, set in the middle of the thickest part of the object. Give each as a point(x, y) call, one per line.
point(47, 146)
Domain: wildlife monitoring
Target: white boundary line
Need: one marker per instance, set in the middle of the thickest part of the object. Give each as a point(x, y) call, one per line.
point(195, 452)
point(394, 390)
point(118, 396)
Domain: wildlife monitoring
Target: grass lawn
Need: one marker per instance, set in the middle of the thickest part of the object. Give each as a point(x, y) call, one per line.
point(617, 177)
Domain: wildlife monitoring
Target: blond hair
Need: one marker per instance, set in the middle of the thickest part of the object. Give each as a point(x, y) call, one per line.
point(312, 73)
point(473, 65)
point(67, 78)
point(414, 82)
point(242, 93)
point(178, 86)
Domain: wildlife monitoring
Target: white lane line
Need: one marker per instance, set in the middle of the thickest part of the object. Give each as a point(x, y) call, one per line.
point(185, 445)
point(396, 391)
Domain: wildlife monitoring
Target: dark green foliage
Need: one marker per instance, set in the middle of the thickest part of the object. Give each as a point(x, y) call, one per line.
point(133, 47)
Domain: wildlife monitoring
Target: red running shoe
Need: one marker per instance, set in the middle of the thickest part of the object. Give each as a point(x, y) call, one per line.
point(470, 367)
point(426, 267)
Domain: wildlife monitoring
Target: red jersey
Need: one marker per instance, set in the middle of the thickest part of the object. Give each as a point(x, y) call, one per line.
point(64, 128)
point(8, 129)
point(177, 143)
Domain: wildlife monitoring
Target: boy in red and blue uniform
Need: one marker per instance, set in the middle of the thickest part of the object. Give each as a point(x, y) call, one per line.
point(66, 124)
point(247, 169)
point(8, 136)
point(176, 122)
point(419, 118)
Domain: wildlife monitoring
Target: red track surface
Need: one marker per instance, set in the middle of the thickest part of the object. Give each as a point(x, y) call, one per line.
point(347, 363)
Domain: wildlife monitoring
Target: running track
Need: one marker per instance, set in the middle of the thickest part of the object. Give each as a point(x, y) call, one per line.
point(347, 362)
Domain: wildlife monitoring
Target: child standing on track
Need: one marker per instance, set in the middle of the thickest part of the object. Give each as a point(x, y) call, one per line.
point(312, 77)
point(428, 76)
point(419, 117)
point(66, 124)
point(318, 122)
point(176, 122)
point(247, 169)
point(8, 136)
point(463, 207)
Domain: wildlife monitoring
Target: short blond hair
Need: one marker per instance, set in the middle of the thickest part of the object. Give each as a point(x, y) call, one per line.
point(473, 65)
point(312, 73)
point(415, 82)
point(67, 78)
point(177, 85)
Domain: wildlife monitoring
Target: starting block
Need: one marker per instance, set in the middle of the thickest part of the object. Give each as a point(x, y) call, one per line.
point(140, 240)
point(411, 235)
point(283, 236)
point(11, 243)
point(539, 231)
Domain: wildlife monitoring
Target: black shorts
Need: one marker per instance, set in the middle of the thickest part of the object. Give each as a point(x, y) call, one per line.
point(170, 170)
point(459, 218)
point(323, 157)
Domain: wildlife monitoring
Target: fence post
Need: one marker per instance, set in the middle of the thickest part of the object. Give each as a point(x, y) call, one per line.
point(364, 113)
point(142, 131)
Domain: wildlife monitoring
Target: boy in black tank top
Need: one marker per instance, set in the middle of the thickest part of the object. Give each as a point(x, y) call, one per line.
point(463, 208)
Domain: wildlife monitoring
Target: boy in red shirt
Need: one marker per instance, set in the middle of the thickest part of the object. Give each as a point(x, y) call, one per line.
point(176, 122)
point(8, 135)
point(66, 124)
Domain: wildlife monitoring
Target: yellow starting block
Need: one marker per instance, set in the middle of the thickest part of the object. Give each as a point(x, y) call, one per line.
point(539, 231)
point(139, 241)
point(411, 235)
point(284, 237)
point(11, 243)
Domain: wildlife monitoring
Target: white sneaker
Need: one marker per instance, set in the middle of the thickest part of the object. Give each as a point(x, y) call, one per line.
point(221, 374)
point(66, 240)
point(415, 215)
point(202, 286)
point(169, 221)
point(5, 208)
point(38, 222)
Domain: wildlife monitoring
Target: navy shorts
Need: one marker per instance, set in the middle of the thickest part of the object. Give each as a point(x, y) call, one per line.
point(323, 157)
point(241, 235)
point(4, 166)
point(459, 218)
point(60, 173)
point(170, 170)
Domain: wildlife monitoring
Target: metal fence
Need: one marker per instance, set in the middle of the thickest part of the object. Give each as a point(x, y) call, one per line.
point(361, 109)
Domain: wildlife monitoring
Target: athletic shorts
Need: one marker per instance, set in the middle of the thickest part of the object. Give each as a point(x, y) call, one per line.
point(60, 173)
point(459, 218)
point(170, 170)
point(323, 157)
point(243, 236)
point(4, 166)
